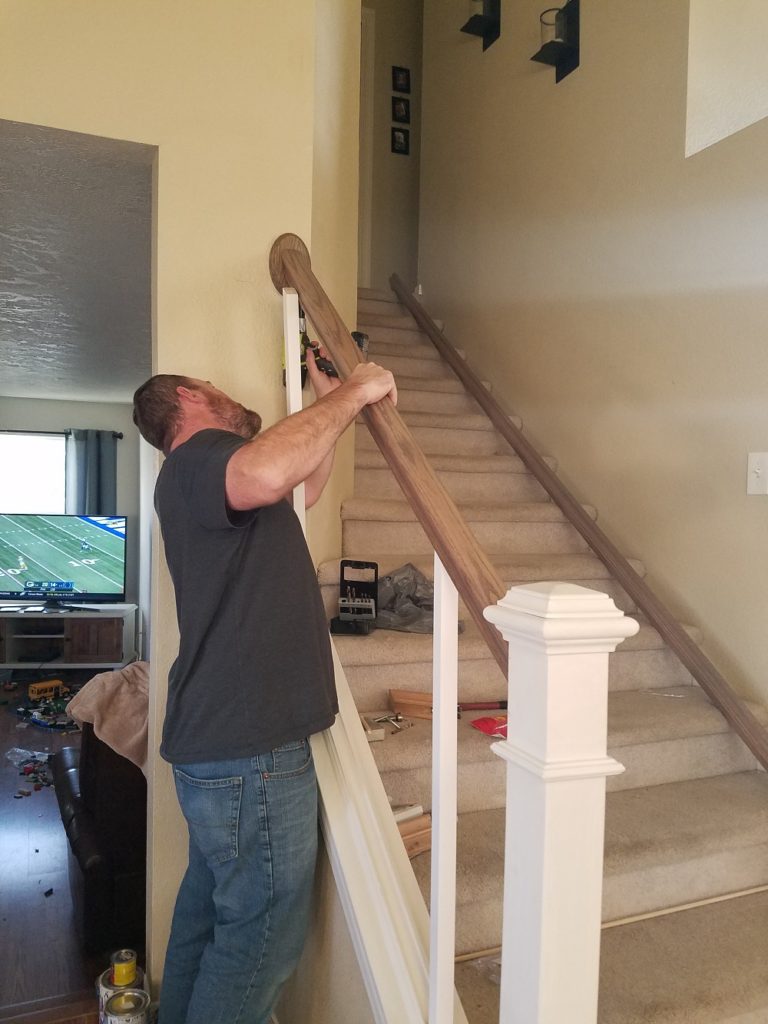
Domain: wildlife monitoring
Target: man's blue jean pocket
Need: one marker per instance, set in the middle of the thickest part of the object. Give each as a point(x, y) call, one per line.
point(288, 761)
point(212, 810)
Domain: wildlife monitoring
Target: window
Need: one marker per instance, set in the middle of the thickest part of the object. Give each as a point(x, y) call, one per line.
point(32, 472)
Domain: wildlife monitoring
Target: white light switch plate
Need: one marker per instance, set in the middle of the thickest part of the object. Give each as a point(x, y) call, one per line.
point(757, 473)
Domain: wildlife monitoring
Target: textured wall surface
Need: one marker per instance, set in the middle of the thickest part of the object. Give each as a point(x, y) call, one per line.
point(76, 242)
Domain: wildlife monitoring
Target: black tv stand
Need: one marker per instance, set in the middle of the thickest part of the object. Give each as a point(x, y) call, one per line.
point(66, 606)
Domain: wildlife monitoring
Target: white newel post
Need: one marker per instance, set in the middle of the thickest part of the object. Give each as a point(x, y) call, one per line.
point(560, 636)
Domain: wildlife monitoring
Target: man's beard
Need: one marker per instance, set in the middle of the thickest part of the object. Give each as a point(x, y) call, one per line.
point(238, 419)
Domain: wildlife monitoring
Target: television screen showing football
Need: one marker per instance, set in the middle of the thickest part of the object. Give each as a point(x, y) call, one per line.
point(62, 557)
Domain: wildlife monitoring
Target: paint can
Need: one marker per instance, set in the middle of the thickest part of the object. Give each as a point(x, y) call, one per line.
point(131, 1006)
point(105, 989)
point(123, 968)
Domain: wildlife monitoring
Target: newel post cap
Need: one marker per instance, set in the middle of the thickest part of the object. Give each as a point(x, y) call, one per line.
point(562, 617)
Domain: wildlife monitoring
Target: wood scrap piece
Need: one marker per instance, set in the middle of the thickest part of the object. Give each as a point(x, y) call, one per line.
point(411, 703)
point(417, 834)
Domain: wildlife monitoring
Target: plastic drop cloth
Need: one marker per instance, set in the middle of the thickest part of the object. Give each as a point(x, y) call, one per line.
point(406, 601)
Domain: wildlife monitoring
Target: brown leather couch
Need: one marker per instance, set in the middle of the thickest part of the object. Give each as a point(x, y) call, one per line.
point(103, 804)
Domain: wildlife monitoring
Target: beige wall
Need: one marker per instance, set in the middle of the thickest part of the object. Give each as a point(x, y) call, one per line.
point(395, 195)
point(226, 93)
point(334, 220)
point(613, 291)
point(37, 414)
point(327, 987)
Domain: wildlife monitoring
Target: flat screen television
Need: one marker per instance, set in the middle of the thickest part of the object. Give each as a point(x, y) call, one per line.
point(56, 560)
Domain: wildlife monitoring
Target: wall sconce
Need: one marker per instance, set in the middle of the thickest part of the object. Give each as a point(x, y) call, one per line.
point(560, 39)
point(486, 25)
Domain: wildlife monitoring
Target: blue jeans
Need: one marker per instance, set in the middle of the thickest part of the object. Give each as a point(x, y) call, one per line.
point(242, 910)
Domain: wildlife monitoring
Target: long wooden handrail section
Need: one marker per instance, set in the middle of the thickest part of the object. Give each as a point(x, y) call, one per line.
point(465, 561)
point(716, 687)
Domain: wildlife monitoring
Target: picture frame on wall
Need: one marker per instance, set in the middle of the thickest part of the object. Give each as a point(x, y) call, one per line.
point(401, 110)
point(401, 79)
point(401, 141)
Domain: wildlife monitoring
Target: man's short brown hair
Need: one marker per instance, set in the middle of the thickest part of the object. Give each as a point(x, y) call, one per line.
point(156, 408)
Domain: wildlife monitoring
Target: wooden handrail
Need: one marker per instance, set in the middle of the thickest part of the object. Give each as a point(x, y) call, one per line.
point(716, 687)
point(465, 561)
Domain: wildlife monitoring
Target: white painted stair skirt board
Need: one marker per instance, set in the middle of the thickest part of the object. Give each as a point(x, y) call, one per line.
point(385, 911)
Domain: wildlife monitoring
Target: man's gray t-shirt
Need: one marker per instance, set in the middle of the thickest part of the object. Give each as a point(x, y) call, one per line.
point(254, 669)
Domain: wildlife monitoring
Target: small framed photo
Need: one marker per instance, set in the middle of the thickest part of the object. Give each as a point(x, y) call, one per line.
point(401, 110)
point(401, 79)
point(401, 141)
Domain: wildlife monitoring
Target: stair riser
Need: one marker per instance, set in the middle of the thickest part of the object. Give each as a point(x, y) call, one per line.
point(478, 924)
point(434, 401)
point(475, 423)
point(380, 349)
point(632, 676)
point(494, 538)
point(437, 441)
point(672, 884)
point(407, 367)
point(481, 785)
point(481, 679)
point(479, 487)
point(381, 306)
point(694, 757)
point(629, 671)
point(482, 782)
point(381, 294)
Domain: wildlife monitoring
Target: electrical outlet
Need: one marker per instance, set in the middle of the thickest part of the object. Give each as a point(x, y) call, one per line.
point(757, 473)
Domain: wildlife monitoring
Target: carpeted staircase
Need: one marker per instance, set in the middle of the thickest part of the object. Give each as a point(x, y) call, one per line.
point(686, 822)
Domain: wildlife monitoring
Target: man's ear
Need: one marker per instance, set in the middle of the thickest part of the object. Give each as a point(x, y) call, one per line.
point(189, 395)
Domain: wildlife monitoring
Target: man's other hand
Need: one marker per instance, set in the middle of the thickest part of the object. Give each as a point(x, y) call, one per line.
point(321, 382)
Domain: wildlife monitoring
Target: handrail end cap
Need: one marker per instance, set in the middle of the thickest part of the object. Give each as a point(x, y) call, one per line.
point(287, 242)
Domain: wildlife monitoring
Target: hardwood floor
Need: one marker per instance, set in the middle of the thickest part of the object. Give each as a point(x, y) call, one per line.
point(41, 958)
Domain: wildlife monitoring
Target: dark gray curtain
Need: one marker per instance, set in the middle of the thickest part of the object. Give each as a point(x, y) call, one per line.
point(91, 472)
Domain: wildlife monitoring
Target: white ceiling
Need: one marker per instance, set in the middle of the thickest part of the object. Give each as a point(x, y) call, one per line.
point(75, 264)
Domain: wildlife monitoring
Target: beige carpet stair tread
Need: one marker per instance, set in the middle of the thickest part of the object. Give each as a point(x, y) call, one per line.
point(373, 459)
point(701, 966)
point(376, 293)
point(393, 511)
point(389, 306)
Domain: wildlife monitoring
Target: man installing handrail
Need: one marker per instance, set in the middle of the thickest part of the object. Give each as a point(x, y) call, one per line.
point(252, 681)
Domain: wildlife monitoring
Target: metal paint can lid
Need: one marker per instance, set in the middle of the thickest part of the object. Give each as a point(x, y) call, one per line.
point(128, 1007)
point(123, 967)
